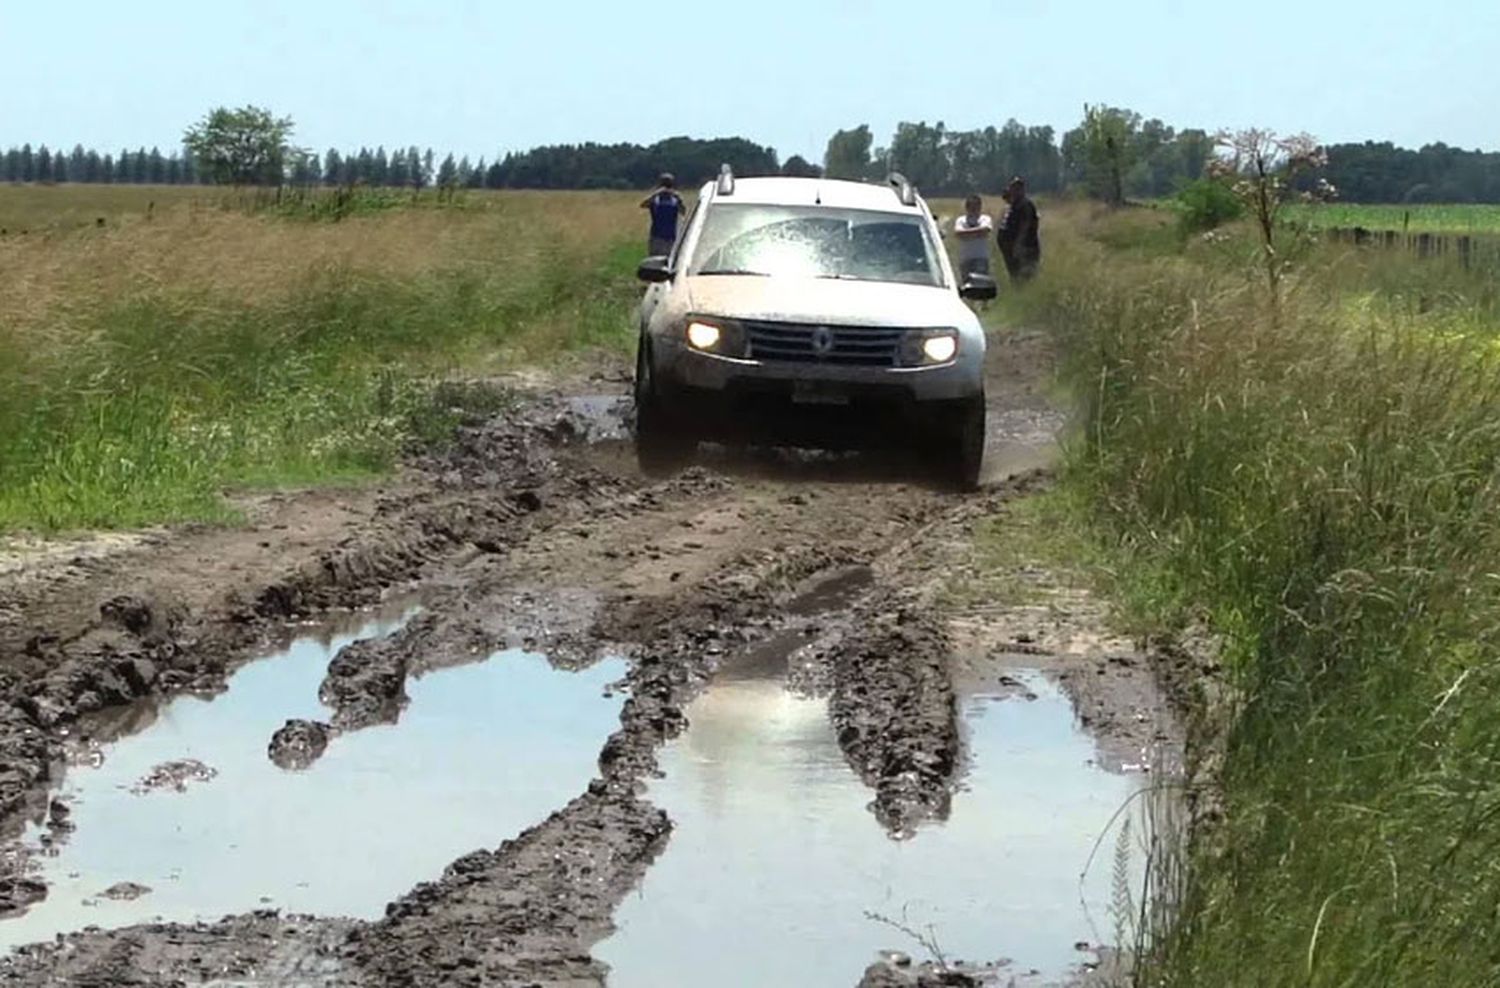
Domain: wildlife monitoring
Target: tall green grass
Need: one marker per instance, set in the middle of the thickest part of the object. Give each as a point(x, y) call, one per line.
point(1323, 491)
point(152, 405)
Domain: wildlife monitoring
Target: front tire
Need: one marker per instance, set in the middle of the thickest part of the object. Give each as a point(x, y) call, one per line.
point(662, 446)
point(962, 450)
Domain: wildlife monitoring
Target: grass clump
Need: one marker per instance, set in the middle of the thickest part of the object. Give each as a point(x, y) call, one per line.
point(1320, 486)
point(144, 369)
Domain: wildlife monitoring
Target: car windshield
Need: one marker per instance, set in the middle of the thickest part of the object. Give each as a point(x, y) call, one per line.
point(816, 242)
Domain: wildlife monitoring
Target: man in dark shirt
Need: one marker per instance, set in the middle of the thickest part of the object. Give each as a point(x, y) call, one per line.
point(665, 206)
point(1019, 234)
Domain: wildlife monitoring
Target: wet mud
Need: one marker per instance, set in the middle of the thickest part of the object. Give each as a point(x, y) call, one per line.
point(530, 530)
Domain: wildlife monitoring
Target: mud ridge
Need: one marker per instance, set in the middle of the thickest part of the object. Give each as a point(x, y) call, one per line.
point(524, 913)
point(893, 710)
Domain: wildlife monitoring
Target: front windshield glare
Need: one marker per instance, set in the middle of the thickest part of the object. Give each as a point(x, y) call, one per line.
point(814, 242)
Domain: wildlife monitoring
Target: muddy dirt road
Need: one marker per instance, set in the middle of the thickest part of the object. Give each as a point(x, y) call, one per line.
point(779, 620)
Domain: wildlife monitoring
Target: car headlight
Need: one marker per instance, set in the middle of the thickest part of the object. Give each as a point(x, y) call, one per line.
point(723, 337)
point(940, 349)
point(924, 347)
point(703, 335)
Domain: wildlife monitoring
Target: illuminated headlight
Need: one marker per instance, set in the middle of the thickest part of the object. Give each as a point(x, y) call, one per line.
point(703, 336)
point(940, 349)
point(929, 346)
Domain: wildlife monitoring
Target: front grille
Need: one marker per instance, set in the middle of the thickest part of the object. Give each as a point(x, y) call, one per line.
point(856, 346)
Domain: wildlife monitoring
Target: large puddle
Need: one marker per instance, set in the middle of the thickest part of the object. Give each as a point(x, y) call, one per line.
point(775, 871)
point(480, 752)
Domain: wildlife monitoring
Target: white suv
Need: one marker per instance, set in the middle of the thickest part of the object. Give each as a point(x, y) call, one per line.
point(810, 312)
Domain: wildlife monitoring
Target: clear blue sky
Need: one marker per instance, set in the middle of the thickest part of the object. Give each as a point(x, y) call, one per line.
point(480, 76)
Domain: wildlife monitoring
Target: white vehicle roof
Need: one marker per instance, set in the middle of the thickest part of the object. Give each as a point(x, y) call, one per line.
point(834, 193)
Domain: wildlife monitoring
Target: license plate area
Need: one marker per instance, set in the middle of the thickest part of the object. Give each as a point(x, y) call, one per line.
point(819, 393)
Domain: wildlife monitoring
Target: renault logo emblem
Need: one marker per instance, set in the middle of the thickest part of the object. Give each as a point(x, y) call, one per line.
point(822, 341)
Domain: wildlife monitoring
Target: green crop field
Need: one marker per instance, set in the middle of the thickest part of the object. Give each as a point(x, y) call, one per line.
point(1413, 219)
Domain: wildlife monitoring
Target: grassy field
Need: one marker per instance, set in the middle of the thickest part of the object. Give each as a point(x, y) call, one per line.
point(34, 208)
point(147, 365)
point(1316, 484)
point(1414, 219)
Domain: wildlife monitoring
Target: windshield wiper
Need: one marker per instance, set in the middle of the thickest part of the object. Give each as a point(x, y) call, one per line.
point(734, 271)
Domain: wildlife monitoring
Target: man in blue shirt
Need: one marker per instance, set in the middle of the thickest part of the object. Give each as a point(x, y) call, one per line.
point(665, 206)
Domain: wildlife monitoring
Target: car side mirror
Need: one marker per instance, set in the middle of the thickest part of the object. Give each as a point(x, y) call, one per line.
point(654, 270)
point(979, 288)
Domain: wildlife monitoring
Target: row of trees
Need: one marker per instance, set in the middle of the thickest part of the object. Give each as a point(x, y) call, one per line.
point(585, 166)
point(1372, 172)
point(25, 164)
point(1112, 154)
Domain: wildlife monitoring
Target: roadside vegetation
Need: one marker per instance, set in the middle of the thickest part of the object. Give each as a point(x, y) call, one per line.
point(151, 363)
point(1307, 469)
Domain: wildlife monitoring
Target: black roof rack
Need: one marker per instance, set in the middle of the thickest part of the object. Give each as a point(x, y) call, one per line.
point(904, 189)
point(726, 180)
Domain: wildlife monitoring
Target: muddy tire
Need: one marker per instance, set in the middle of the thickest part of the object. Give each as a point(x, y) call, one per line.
point(662, 446)
point(962, 450)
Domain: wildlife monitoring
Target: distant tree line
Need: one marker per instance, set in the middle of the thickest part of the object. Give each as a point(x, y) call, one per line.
point(1372, 172)
point(1139, 158)
point(139, 167)
point(1112, 154)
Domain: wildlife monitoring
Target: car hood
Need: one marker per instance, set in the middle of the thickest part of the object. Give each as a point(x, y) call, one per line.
point(846, 303)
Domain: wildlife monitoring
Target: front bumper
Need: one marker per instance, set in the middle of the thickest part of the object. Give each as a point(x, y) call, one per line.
point(681, 367)
point(807, 404)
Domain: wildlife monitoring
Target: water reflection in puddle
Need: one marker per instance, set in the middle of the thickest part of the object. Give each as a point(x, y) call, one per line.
point(481, 752)
point(774, 860)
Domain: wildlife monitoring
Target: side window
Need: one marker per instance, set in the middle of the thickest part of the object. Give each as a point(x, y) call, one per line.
point(683, 232)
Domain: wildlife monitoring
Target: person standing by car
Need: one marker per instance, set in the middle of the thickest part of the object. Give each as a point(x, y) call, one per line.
point(1019, 236)
point(665, 206)
point(973, 230)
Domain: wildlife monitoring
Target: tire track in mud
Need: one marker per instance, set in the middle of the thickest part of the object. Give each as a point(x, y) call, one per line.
point(519, 537)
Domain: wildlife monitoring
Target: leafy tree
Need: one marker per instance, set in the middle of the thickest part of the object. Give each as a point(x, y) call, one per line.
point(447, 173)
point(1109, 149)
point(333, 163)
point(399, 174)
point(247, 146)
point(416, 172)
point(848, 153)
point(799, 167)
point(919, 152)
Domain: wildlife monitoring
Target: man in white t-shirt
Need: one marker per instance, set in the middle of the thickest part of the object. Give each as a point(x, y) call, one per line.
point(973, 231)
